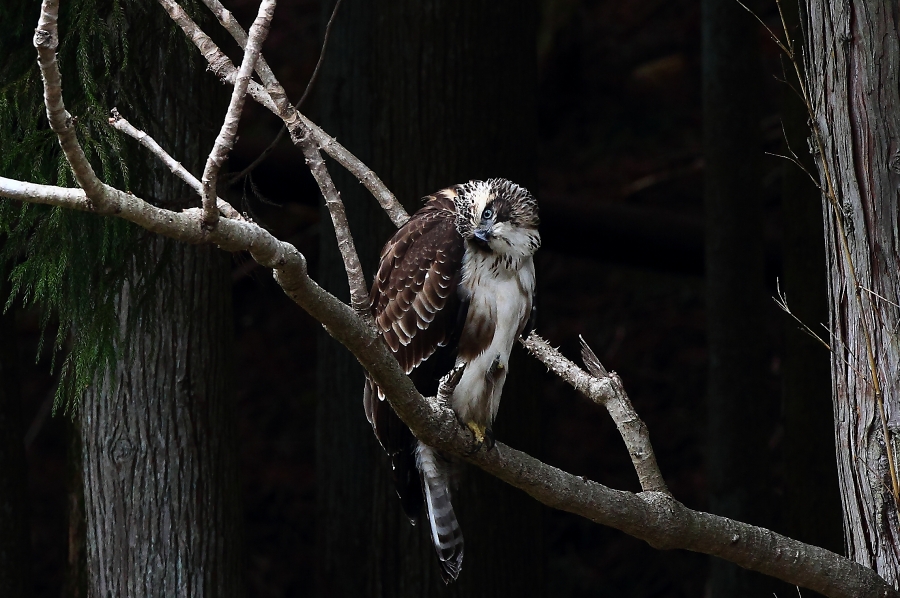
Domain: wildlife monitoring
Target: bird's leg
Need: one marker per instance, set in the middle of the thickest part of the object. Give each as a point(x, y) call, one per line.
point(449, 383)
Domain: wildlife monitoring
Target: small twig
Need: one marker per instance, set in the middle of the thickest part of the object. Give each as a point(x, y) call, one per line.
point(781, 301)
point(774, 37)
point(118, 122)
point(885, 299)
point(225, 140)
point(606, 389)
point(591, 362)
point(796, 159)
point(315, 75)
point(312, 81)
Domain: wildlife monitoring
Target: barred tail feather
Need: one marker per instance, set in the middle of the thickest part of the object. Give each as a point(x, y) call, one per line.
point(446, 534)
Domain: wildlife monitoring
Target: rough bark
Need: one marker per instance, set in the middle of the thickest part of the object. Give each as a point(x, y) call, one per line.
point(812, 510)
point(15, 544)
point(161, 498)
point(161, 494)
point(738, 411)
point(76, 579)
point(852, 64)
point(421, 92)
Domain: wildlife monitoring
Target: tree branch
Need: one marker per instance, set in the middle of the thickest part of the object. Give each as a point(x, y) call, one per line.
point(225, 140)
point(118, 122)
point(607, 390)
point(309, 86)
point(46, 40)
point(222, 66)
point(359, 296)
point(652, 516)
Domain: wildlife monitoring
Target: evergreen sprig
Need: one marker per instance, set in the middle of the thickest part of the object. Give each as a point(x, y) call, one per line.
point(73, 265)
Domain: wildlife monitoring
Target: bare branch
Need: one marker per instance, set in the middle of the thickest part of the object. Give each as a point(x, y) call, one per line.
point(118, 122)
point(273, 87)
point(222, 66)
point(606, 390)
point(45, 194)
point(46, 40)
point(225, 140)
point(312, 81)
point(219, 63)
point(359, 296)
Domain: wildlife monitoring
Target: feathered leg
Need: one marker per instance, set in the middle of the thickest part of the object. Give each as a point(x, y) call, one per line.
point(446, 534)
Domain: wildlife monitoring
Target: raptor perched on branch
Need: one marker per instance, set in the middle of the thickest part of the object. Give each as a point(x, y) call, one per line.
point(454, 290)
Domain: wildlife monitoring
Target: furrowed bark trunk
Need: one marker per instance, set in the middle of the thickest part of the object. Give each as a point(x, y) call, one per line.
point(158, 430)
point(429, 95)
point(852, 64)
point(158, 438)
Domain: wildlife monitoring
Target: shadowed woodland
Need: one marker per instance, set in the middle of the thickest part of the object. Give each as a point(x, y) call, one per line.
point(645, 130)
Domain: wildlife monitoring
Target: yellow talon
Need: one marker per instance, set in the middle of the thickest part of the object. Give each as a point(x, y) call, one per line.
point(478, 430)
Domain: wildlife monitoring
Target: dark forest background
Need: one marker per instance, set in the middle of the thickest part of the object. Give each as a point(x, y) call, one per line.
point(622, 169)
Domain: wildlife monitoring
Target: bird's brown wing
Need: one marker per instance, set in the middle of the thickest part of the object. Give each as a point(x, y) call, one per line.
point(417, 308)
point(416, 304)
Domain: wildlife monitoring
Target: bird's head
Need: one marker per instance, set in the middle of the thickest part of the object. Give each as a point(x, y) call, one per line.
point(498, 216)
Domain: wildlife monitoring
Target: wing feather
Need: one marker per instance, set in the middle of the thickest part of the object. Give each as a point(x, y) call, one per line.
point(415, 302)
point(417, 282)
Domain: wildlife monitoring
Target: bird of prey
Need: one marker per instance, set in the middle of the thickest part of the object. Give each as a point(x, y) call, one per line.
point(454, 289)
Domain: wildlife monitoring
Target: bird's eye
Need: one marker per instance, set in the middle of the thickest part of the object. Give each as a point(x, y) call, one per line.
point(487, 214)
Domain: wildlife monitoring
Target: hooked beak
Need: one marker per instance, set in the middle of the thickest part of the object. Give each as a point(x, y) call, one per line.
point(483, 236)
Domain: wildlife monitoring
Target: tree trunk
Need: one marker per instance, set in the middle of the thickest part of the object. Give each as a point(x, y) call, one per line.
point(429, 95)
point(158, 430)
point(160, 483)
point(739, 413)
point(812, 500)
point(15, 544)
point(854, 51)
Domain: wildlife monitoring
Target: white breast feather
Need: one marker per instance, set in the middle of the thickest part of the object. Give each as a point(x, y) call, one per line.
point(502, 294)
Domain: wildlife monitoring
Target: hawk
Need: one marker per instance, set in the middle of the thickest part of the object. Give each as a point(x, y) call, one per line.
point(454, 289)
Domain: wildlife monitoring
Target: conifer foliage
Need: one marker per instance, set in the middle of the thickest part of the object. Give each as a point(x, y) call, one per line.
point(72, 264)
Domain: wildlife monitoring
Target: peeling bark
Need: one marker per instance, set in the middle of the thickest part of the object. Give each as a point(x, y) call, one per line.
point(852, 66)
